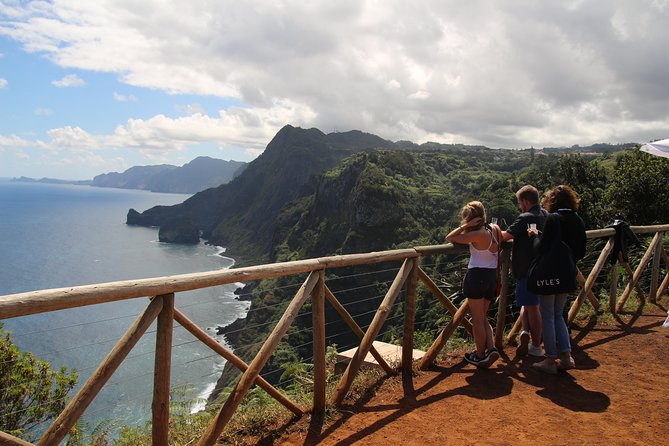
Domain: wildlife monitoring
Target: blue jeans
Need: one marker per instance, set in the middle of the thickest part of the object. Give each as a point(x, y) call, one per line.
point(554, 327)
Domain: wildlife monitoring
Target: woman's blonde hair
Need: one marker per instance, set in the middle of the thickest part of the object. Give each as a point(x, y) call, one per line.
point(472, 210)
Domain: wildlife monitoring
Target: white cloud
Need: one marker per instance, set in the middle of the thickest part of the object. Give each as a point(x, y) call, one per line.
point(155, 137)
point(71, 80)
point(3, 83)
point(510, 74)
point(13, 141)
point(125, 98)
point(43, 112)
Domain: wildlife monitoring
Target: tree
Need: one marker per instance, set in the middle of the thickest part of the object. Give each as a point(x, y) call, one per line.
point(30, 392)
point(638, 192)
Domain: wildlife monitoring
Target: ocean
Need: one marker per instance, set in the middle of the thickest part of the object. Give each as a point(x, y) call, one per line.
point(54, 236)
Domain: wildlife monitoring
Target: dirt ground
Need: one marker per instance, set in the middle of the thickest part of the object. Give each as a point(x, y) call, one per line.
point(617, 395)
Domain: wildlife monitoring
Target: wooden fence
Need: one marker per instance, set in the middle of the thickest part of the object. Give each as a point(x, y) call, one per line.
point(161, 292)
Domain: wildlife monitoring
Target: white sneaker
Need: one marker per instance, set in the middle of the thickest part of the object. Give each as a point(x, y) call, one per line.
point(536, 351)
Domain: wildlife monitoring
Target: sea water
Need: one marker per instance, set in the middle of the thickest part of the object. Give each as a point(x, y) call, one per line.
point(54, 236)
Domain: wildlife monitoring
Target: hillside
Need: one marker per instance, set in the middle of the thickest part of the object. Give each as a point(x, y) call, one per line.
point(240, 215)
point(200, 174)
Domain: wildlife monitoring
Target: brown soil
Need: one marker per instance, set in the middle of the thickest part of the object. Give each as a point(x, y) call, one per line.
point(618, 394)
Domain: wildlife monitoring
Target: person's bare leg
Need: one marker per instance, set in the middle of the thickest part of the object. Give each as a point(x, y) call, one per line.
point(478, 309)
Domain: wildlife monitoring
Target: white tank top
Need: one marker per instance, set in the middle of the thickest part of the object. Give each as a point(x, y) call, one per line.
point(483, 258)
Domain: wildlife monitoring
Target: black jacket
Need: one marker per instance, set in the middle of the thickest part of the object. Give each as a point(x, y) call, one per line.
point(572, 230)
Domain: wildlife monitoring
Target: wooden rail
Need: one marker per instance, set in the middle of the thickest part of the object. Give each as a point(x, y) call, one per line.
point(410, 273)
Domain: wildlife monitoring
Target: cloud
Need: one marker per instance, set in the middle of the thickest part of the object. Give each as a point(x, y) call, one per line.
point(71, 80)
point(3, 83)
point(125, 98)
point(510, 74)
point(154, 137)
point(43, 112)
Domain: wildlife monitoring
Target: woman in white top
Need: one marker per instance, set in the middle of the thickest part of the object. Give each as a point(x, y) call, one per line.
point(480, 284)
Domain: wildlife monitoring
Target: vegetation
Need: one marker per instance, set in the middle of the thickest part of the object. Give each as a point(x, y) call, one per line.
point(30, 392)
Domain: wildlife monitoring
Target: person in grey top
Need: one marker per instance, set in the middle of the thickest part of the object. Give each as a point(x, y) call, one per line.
point(521, 258)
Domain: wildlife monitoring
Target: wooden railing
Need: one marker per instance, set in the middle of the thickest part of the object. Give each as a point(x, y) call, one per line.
point(162, 291)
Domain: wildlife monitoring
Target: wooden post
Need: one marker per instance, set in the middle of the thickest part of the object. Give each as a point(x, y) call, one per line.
point(630, 274)
point(637, 273)
point(10, 440)
point(515, 329)
point(409, 320)
point(446, 302)
point(665, 282)
point(603, 256)
point(654, 280)
point(443, 336)
point(613, 290)
point(503, 298)
point(356, 329)
point(318, 320)
point(212, 433)
point(591, 296)
point(234, 360)
point(69, 416)
point(160, 406)
point(372, 332)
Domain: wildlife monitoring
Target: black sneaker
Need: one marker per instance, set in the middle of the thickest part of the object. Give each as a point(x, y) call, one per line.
point(489, 359)
point(473, 358)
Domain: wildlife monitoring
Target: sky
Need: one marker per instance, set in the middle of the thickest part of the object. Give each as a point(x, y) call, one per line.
point(90, 87)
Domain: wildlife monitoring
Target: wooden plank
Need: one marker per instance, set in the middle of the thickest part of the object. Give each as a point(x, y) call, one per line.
point(409, 319)
point(503, 298)
point(650, 229)
point(10, 440)
point(339, 308)
point(160, 406)
point(603, 257)
point(71, 414)
point(318, 319)
point(34, 302)
point(443, 336)
point(234, 360)
point(637, 273)
point(214, 430)
point(445, 301)
point(372, 332)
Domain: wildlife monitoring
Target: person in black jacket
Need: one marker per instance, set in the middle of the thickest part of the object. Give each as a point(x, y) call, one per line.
point(562, 202)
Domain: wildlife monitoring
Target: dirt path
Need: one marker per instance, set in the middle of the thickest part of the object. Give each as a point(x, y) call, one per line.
point(618, 394)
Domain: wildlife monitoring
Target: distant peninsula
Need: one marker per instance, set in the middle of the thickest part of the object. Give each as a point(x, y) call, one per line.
point(200, 174)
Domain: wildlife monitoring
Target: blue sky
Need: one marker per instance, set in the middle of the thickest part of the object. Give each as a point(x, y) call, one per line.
point(94, 87)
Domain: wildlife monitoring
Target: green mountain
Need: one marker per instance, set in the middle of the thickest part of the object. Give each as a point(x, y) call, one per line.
point(241, 215)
